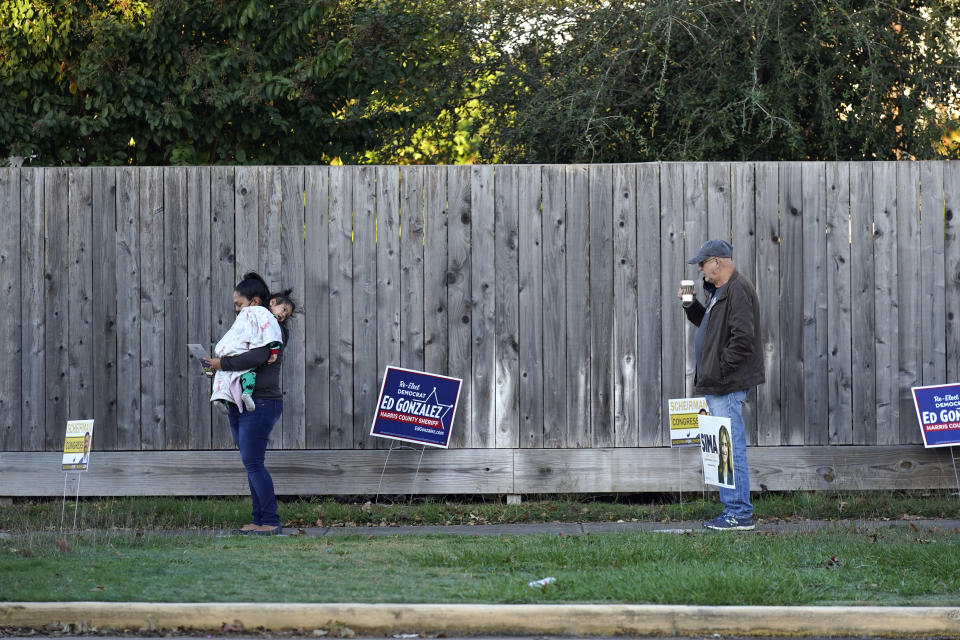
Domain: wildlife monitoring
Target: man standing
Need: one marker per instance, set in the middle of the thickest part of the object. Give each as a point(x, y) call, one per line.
point(729, 360)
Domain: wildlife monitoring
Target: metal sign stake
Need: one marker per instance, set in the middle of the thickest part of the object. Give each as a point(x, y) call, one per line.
point(76, 499)
point(393, 445)
point(956, 477)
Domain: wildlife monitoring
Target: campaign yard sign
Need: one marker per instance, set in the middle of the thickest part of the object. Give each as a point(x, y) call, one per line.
point(938, 411)
point(416, 406)
point(684, 429)
point(76, 445)
point(716, 451)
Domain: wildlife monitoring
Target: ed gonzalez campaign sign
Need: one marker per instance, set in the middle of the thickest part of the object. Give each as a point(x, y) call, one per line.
point(938, 410)
point(416, 406)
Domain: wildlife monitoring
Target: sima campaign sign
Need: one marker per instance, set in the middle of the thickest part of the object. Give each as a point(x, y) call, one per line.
point(416, 406)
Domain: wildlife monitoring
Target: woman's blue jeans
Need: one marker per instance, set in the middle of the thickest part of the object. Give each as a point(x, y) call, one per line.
point(736, 501)
point(251, 433)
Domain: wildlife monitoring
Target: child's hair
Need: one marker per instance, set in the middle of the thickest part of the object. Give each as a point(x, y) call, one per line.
point(253, 286)
point(283, 297)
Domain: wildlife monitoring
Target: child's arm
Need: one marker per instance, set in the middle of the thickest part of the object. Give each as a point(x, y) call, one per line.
point(274, 352)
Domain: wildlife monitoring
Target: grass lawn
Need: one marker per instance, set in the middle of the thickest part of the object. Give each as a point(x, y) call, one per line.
point(902, 565)
point(227, 513)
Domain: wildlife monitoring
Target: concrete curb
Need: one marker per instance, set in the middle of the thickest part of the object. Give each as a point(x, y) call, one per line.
point(552, 619)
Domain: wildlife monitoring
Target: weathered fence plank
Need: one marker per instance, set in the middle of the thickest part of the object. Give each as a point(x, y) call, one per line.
point(128, 309)
point(719, 201)
point(482, 317)
point(269, 258)
point(152, 414)
point(292, 276)
point(365, 387)
point(885, 297)
point(791, 304)
point(223, 277)
point(10, 332)
point(388, 272)
point(624, 364)
point(653, 295)
point(839, 327)
point(770, 394)
point(341, 307)
point(80, 288)
point(554, 307)
point(744, 232)
point(814, 303)
point(435, 271)
point(603, 296)
point(199, 303)
point(411, 267)
point(55, 304)
point(531, 277)
point(267, 207)
point(32, 310)
point(247, 222)
point(477, 471)
point(506, 304)
point(316, 307)
point(673, 267)
point(296, 473)
point(822, 468)
point(908, 373)
point(862, 295)
point(933, 301)
point(579, 392)
point(103, 256)
point(458, 298)
point(176, 302)
point(696, 231)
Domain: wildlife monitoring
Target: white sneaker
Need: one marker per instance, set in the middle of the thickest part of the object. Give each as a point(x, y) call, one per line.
point(248, 402)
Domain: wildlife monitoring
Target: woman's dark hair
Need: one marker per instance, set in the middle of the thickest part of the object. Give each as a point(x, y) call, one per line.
point(253, 286)
point(283, 297)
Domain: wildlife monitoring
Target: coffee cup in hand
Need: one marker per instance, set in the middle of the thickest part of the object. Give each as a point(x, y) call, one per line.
point(686, 290)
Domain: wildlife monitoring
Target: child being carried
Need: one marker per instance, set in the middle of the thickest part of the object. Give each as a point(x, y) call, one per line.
point(254, 327)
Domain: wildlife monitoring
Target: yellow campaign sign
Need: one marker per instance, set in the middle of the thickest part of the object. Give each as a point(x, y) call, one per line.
point(77, 443)
point(73, 445)
point(683, 415)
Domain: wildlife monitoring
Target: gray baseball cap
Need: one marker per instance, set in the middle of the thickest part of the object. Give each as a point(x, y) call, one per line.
point(712, 249)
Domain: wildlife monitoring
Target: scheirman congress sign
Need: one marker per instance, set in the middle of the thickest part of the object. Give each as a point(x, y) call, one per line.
point(416, 406)
point(938, 410)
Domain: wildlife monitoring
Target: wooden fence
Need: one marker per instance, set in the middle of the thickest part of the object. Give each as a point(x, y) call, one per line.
point(551, 290)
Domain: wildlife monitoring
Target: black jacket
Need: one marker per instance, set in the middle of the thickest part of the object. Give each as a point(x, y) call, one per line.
point(732, 356)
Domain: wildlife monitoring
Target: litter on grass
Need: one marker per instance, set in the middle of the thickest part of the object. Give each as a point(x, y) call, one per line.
point(542, 582)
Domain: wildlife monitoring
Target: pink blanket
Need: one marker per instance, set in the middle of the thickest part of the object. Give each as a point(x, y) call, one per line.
point(254, 327)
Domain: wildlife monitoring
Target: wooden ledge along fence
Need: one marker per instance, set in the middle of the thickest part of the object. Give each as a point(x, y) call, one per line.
point(551, 290)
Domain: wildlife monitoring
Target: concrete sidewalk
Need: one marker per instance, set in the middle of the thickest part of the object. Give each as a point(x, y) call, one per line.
point(579, 528)
point(480, 619)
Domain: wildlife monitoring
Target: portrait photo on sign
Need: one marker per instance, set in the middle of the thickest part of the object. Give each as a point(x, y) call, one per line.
point(716, 450)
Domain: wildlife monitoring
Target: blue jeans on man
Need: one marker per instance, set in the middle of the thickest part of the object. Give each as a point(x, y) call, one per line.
point(251, 433)
point(736, 501)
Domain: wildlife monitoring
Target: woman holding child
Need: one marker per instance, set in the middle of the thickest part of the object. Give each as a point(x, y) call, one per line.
point(247, 384)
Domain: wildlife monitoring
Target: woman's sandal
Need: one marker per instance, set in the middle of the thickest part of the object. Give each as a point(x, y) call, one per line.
point(245, 529)
point(270, 531)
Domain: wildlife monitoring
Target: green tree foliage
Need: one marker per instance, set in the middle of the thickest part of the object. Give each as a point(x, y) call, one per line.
point(218, 81)
point(597, 81)
point(433, 81)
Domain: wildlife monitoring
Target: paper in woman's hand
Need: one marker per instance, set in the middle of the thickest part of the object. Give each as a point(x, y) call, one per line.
point(198, 352)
